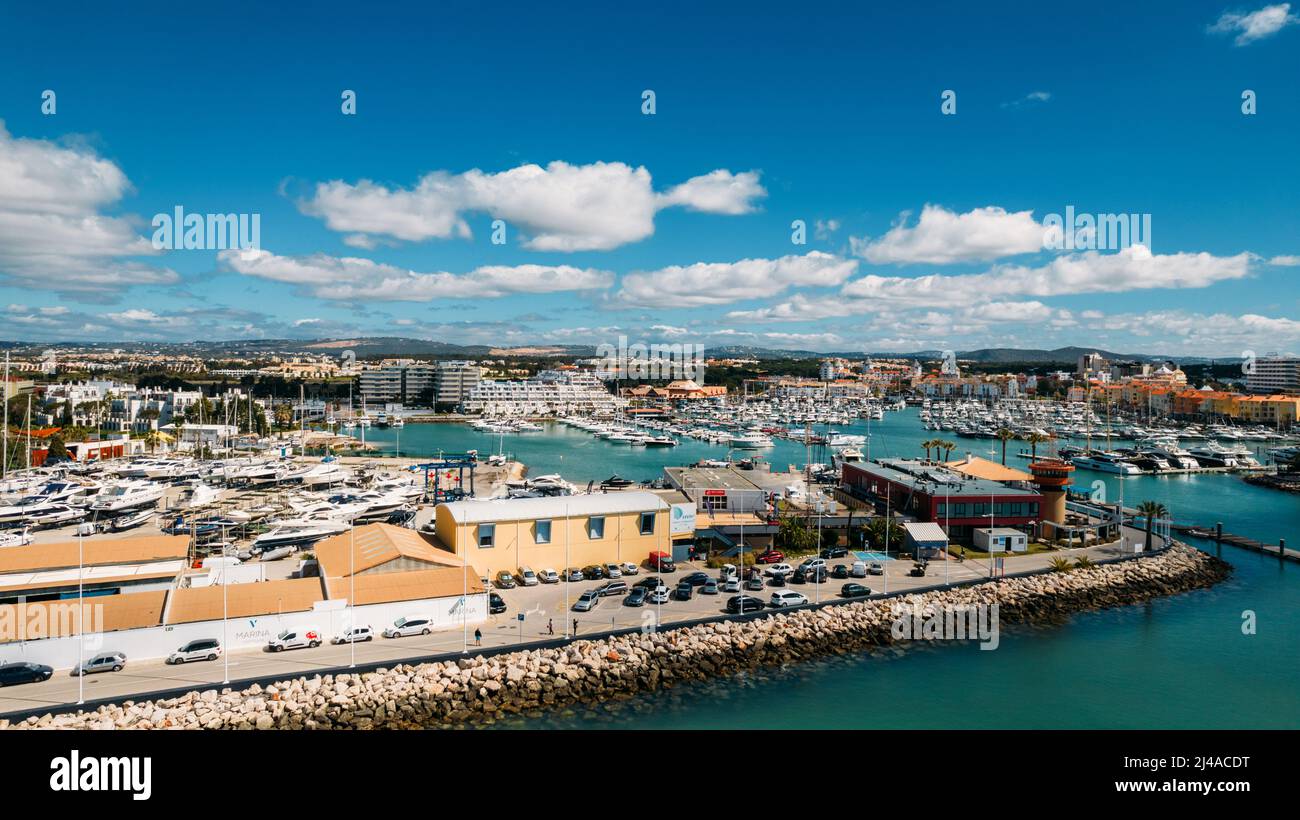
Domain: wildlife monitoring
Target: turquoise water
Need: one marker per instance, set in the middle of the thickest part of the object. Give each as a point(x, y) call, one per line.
point(1181, 662)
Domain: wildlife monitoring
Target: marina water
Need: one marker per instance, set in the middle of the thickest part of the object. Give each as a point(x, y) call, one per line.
point(1181, 662)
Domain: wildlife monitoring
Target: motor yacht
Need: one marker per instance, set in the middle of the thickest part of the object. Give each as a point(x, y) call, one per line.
point(1105, 462)
point(127, 495)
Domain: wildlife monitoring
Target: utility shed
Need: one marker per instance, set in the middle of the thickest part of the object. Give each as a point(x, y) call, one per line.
point(926, 539)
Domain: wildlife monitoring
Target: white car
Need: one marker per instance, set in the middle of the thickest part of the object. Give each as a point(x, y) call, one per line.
point(404, 627)
point(728, 571)
point(201, 649)
point(787, 597)
point(731, 585)
point(876, 569)
point(660, 595)
point(527, 577)
point(629, 568)
point(357, 634)
point(548, 576)
point(613, 570)
point(295, 639)
point(858, 570)
point(778, 569)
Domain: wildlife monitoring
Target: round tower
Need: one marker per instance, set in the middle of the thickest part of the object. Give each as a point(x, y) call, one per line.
point(1051, 477)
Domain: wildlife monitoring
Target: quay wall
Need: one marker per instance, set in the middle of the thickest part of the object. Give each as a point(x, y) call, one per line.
point(479, 690)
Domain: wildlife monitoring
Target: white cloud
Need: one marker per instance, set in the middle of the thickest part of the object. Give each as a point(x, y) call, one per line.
point(334, 277)
point(943, 237)
point(52, 235)
point(1029, 99)
point(1285, 261)
point(718, 283)
point(561, 207)
point(822, 229)
point(1255, 25)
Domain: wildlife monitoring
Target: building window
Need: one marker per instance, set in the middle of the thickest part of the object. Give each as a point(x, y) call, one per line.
point(487, 535)
point(647, 523)
point(542, 532)
point(596, 527)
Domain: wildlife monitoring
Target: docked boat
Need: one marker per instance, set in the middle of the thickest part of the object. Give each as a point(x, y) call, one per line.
point(751, 441)
point(130, 521)
point(15, 538)
point(127, 495)
point(296, 534)
point(1104, 462)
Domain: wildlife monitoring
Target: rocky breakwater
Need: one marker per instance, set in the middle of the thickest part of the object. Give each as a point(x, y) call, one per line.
point(478, 690)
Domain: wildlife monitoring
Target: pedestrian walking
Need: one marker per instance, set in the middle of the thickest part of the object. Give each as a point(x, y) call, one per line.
point(478, 637)
point(550, 626)
point(575, 626)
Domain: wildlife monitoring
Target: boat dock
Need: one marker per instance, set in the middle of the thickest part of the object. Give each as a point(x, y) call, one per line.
point(1217, 535)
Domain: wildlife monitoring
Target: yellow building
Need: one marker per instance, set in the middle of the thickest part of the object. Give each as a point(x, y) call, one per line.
point(1271, 410)
point(554, 532)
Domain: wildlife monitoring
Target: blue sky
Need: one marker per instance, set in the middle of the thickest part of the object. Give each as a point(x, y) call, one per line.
point(923, 229)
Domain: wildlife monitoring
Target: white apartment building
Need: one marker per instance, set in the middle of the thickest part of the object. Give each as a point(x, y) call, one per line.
point(1274, 374)
point(401, 380)
point(551, 392)
point(453, 382)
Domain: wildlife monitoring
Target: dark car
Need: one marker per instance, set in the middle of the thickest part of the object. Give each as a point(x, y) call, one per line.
point(636, 597)
point(495, 604)
point(777, 580)
point(854, 591)
point(840, 571)
point(593, 572)
point(696, 579)
point(816, 575)
point(799, 576)
point(649, 583)
point(684, 589)
point(12, 674)
point(834, 552)
point(612, 588)
point(740, 604)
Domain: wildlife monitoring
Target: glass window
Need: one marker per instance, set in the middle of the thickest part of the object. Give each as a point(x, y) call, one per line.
point(542, 532)
point(647, 523)
point(487, 535)
point(596, 527)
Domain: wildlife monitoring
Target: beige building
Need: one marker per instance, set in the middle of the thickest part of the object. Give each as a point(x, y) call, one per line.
point(555, 532)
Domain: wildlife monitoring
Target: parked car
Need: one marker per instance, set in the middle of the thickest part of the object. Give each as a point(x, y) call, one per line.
point(548, 576)
point(527, 577)
point(710, 587)
point(593, 573)
point(662, 562)
point(788, 597)
point(733, 585)
point(586, 601)
point(660, 595)
point(629, 568)
point(295, 639)
point(778, 569)
point(696, 579)
point(777, 580)
point(799, 576)
point(12, 674)
point(854, 591)
point(728, 571)
point(834, 552)
point(355, 634)
point(858, 570)
point(573, 574)
point(839, 571)
point(770, 557)
point(684, 590)
point(505, 580)
point(613, 570)
point(636, 597)
point(200, 649)
point(496, 604)
point(404, 627)
point(612, 588)
point(754, 583)
point(103, 662)
point(816, 575)
point(650, 582)
point(809, 563)
point(876, 568)
point(740, 604)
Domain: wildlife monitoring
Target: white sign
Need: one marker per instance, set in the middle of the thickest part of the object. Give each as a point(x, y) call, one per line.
point(682, 519)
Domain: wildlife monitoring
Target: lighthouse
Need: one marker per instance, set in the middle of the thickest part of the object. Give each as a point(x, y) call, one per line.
point(1051, 477)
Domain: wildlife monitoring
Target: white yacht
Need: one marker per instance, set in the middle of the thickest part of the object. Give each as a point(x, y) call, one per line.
point(15, 538)
point(127, 496)
point(1168, 449)
point(297, 533)
point(751, 441)
point(1104, 462)
point(325, 474)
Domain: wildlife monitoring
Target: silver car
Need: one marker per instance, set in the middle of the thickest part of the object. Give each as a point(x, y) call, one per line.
point(103, 662)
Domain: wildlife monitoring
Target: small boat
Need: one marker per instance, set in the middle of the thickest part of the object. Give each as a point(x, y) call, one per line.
point(277, 553)
point(130, 521)
point(617, 481)
point(15, 538)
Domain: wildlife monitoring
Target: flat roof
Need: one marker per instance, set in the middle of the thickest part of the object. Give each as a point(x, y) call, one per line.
point(157, 570)
point(373, 544)
point(191, 604)
point(711, 478)
point(934, 480)
point(922, 531)
point(389, 587)
point(976, 467)
point(139, 549)
point(529, 509)
point(101, 613)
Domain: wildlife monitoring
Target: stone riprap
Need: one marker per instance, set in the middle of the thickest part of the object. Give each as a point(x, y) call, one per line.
point(479, 690)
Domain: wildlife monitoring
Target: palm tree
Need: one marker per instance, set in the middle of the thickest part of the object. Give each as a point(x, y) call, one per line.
point(929, 444)
point(1036, 438)
point(1004, 435)
point(947, 447)
point(152, 439)
point(1152, 510)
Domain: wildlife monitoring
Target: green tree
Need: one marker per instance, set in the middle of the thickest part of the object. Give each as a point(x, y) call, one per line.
point(885, 531)
point(1036, 438)
point(1004, 435)
point(1152, 510)
point(794, 535)
point(57, 448)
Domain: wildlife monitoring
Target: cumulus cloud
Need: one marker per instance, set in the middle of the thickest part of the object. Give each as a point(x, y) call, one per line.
point(348, 278)
point(1032, 98)
point(53, 235)
point(561, 207)
point(1254, 25)
point(944, 237)
point(718, 283)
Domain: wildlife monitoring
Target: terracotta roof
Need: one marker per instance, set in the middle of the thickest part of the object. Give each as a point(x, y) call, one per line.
point(978, 467)
point(102, 613)
point(377, 544)
point(95, 552)
point(191, 604)
point(406, 586)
